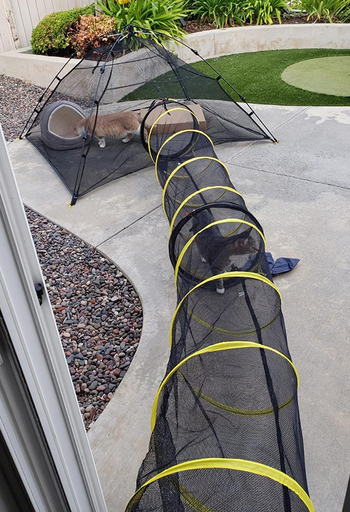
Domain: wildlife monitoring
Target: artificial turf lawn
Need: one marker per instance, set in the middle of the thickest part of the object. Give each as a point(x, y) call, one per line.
point(257, 76)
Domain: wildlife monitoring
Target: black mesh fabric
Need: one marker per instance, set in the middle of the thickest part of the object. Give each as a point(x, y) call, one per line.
point(229, 395)
point(249, 310)
point(208, 416)
point(203, 214)
point(130, 73)
point(221, 490)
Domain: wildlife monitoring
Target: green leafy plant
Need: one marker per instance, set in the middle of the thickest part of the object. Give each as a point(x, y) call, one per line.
point(50, 36)
point(223, 13)
point(161, 16)
point(265, 12)
point(92, 30)
point(343, 11)
point(330, 10)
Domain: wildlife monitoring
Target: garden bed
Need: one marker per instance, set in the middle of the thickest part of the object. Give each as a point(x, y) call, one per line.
point(40, 70)
point(194, 26)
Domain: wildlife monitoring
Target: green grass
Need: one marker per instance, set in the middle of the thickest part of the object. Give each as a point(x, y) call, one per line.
point(257, 76)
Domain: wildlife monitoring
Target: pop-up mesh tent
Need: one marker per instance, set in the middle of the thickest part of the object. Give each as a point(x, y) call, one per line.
point(226, 434)
point(114, 78)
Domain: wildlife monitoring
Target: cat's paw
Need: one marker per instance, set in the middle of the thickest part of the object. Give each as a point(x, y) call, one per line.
point(125, 140)
point(221, 291)
point(102, 144)
point(203, 260)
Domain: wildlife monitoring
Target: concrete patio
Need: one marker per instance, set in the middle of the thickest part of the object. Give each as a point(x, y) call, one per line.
point(300, 192)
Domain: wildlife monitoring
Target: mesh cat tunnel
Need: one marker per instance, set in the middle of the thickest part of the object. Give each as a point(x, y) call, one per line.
point(114, 78)
point(226, 432)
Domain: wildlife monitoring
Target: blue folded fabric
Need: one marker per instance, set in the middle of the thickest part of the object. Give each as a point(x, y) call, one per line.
point(281, 265)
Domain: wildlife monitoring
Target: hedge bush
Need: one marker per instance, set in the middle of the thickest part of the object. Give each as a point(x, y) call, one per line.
point(50, 36)
point(90, 31)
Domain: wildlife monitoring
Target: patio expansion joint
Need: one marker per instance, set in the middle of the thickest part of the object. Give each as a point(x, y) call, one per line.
point(293, 177)
point(128, 226)
point(239, 153)
point(292, 117)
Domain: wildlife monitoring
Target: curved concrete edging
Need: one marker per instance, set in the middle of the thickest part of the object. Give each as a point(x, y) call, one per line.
point(216, 43)
point(40, 69)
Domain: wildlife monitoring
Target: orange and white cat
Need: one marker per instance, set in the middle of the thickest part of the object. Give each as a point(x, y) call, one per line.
point(120, 125)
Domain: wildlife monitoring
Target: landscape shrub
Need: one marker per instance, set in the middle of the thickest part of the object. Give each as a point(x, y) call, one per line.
point(50, 36)
point(89, 29)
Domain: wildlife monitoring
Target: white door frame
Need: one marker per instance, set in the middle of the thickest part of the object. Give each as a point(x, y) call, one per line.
point(37, 344)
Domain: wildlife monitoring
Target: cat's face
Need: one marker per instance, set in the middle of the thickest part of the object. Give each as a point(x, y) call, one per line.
point(246, 246)
point(79, 128)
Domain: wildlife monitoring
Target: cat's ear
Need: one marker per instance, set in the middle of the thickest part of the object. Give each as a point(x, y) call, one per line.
point(245, 234)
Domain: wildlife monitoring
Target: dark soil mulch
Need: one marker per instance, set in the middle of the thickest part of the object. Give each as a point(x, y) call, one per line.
point(193, 26)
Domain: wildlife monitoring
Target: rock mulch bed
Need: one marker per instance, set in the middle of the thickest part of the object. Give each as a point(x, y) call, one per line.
point(17, 101)
point(97, 311)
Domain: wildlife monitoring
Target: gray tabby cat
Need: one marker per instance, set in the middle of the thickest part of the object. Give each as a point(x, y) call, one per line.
point(219, 251)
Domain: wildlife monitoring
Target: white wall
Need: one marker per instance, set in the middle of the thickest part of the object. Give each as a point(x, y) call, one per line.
point(19, 17)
